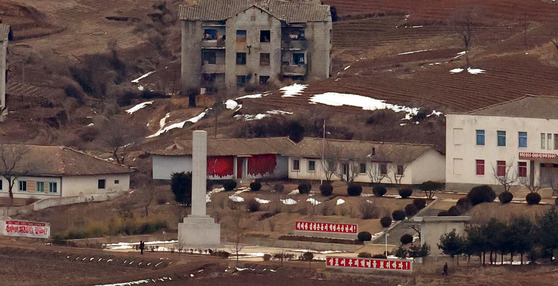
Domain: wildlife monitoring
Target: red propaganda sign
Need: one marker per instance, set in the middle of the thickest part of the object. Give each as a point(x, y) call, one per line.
point(534, 155)
point(370, 263)
point(326, 227)
point(25, 228)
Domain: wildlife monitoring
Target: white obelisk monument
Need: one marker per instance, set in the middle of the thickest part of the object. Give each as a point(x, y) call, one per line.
point(199, 229)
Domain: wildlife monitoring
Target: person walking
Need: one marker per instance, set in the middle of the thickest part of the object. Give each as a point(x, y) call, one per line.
point(142, 246)
point(446, 269)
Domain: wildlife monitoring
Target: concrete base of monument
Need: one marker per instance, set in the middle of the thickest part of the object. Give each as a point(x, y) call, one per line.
point(199, 232)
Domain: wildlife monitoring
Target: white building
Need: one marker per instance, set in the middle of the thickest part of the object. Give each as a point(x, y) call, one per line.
point(57, 171)
point(365, 161)
point(5, 35)
point(517, 139)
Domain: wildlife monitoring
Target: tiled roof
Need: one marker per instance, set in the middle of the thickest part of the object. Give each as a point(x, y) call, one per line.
point(232, 146)
point(308, 147)
point(59, 161)
point(289, 11)
point(529, 106)
point(4, 32)
point(359, 150)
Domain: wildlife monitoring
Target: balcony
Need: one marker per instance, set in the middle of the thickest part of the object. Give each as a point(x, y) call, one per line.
point(294, 45)
point(213, 44)
point(211, 68)
point(293, 70)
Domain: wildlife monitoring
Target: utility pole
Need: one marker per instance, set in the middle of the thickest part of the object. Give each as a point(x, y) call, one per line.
point(323, 149)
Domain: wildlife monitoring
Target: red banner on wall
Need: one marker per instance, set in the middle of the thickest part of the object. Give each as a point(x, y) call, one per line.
point(326, 227)
point(370, 263)
point(220, 166)
point(534, 155)
point(25, 229)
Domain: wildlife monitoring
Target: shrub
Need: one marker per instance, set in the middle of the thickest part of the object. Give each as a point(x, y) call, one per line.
point(556, 201)
point(505, 197)
point(419, 251)
point(406, 239)
point(221, 254)
point(279, 188)
point(367, 210)
point(267, 257)
point(252, 205)
point(379, 190)
point(405, 193)
point(533, 198)
point(354, 190)
point(304, 187)
point(444, 213)
point(400, 252)
point(365, 255)
point(229, 185)
point(307, 256)
point(463, 204)
point(419, 203)
point(181, 186)
point(411, 210)
point(379, 256)
point(430, 187)
point(364, 236)
point(481, 194)
point(454, 211)
point(72, 91)
point(326, 189)
point(385, 221)
point(398, 215)
point(255, 186)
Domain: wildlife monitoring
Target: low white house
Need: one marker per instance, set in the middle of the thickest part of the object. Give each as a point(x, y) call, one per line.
point(365, 161)
point(58, 171)
point(516, 141)
point(231, 158)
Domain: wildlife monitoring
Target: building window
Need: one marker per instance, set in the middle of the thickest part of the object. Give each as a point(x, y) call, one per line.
point(555, 141)
point(383, 169)
point(549, 141)
point(240, 58)
point(543, 140)
point(457, 166)
point(311, 165)
point(210, 34)
point(501, 168)
point(522, 139)
point(480, 167)
point(52, 187)
point(101, 183)
point(298, 59)
point(457, 136)
point(264, 79)
point(362, 168)
point(241, 36)
point(265, 36)
point(22, 186)
point(241, 81)
point(209, 57)
point(296, 165)
point(501, 138)
point(400, 170)
point(522, 169)
point(0, 184)
point(264, 59)
point(40, 187)
point(480, 137)
point(116, 182)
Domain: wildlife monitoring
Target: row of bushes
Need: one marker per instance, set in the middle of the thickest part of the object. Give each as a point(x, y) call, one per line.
point(130, 226)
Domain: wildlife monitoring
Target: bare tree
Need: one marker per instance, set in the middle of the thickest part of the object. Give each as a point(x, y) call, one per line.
point(348, 171)
point(117, 135)
point(239, 228)
point(330, 160)
point(375, 172)
point(508, 178)
point(11, 165)
point(464, 22)
point(399, 164)
point(533, 185)
point(552, 182)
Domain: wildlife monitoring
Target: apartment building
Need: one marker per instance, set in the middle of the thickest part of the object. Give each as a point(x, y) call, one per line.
point(5, 35)
point(234, 43)
point(517, 139)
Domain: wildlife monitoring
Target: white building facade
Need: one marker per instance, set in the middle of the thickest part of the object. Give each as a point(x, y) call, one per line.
point(5, 35)
point(517, 140)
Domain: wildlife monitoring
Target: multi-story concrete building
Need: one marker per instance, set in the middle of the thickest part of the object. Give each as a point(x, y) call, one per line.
point(516, 140)
point(235, 43)
point(5, 35)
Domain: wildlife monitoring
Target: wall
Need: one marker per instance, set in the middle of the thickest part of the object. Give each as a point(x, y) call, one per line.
point(461, 145)
point(3, 55)
point(164, 166)
point(31, 187)
point(319, 49)
point(85, 185)
point(431, 228)
point(252, 20)
point(192, 34)
point(435, 169)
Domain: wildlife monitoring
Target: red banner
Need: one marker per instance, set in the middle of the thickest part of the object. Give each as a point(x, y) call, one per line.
point(534, 155)
point(326, 227)
point(25, 228)
point(370, 263)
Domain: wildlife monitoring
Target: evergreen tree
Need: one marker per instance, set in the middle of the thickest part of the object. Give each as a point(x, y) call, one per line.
point(181, 186)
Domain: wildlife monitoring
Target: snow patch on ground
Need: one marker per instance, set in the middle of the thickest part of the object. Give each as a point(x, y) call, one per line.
point(412, 52)
point(138, 107)
point(366, 103)
point(292, 90)
point(214, 191)
point(340, 201)
point(164, 128)
point(236, 198)
point(347, 67)
point(469, 70)
point(262, 201)
point(251, 117)
point(294, 192)
point(288, 201)
point(142, 77)
point(313, 201)
point(231, 104)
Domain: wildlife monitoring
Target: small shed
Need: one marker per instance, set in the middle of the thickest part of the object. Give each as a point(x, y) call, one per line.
point(433, 227)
